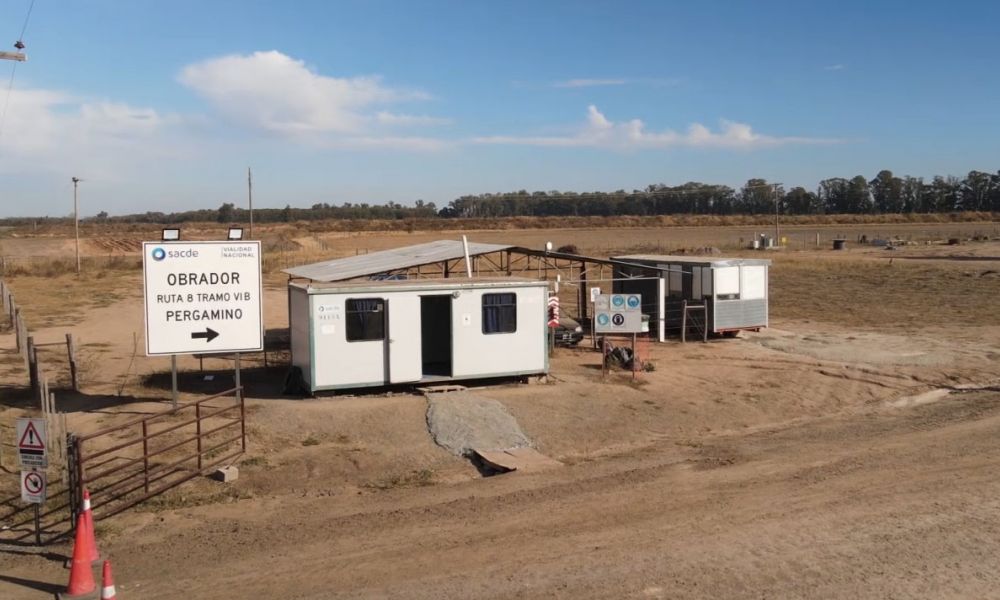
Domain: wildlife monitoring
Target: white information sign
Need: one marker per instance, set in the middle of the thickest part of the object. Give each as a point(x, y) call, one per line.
point(618, 313)
point(33, 487)
point(202, 297)
point(32, 444)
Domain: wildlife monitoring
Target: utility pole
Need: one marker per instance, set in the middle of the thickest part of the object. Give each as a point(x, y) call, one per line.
point(250, 198)
point(76, 222)
point(777, 200)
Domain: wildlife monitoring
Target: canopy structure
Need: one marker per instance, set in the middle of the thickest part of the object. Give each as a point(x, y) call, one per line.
point(388, 262)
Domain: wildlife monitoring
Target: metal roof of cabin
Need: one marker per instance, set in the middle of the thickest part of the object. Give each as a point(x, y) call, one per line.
point(364, 265)
point(706, 261)
point(453, 283)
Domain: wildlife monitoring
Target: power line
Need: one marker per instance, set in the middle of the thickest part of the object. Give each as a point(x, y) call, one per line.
point(20, 38)
point(19, 44)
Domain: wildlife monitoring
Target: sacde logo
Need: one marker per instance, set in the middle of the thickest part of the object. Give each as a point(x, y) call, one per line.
point(161, 254)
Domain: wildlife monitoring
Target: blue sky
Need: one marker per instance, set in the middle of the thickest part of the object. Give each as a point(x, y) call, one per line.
point(161, 106)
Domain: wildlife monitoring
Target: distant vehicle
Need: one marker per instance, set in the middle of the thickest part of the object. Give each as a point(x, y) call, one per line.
point(568, 332)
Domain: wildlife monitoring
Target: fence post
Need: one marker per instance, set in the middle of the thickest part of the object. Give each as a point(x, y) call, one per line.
point(197, 427)
point(16, 316)
point(43, 398)
point(71, 350)
point(73, 472)
point(145, 456)
point(32, 363)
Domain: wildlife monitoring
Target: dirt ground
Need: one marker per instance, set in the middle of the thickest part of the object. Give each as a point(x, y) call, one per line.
point(847, 451)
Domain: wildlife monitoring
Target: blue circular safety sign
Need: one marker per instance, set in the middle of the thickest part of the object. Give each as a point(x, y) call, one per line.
point(602, 319)
point(633, 301)
point(617, 300)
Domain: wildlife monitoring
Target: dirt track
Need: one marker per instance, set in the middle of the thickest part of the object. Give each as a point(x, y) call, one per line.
point(904, 503)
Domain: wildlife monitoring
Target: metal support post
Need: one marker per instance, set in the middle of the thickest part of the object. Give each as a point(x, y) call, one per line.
point(634, 357)
point(239, 388)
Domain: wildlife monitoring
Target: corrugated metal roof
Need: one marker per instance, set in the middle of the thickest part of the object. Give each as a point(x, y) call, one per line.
point(374, 263)
point(692, 260)
point(455, 283)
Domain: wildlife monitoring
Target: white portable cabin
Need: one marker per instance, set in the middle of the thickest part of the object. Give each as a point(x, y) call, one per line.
point(377, 333)
point(733, 290)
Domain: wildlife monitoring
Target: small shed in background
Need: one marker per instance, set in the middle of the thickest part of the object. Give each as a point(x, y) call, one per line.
point(734, 291)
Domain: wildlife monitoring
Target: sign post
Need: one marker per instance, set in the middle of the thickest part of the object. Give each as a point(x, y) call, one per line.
point(202, 298)
point(33, 486)
point(618, 314)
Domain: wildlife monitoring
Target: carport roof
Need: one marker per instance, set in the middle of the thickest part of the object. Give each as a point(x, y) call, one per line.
point(351, 267)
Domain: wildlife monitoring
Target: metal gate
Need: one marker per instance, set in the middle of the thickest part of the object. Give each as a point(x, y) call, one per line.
point(125, 464)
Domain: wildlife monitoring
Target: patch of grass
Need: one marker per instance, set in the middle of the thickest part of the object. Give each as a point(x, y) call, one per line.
point(103, 529)
point(418, 478)
point(254, 461)
point(310, 441)
point(176, 499)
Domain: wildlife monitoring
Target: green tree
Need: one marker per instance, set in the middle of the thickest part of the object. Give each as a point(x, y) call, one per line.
point(225, 213)
point(887, 192)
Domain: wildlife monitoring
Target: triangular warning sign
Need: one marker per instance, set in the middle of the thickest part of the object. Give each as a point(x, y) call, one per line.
point(30, 440)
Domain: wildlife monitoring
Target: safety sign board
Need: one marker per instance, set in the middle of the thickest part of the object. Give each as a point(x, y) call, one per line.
point(618, 313)
point(33, 486)
point(554, 311)
point(202, 297)
point(32, 446)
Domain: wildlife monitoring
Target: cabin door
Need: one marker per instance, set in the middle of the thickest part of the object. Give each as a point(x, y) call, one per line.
point(436, 338)
point(403, 340)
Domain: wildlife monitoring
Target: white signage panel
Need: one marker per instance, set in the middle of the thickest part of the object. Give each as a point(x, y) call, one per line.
point(618, 313)
point(33, 486)
point(32, 443)
point(202, 297)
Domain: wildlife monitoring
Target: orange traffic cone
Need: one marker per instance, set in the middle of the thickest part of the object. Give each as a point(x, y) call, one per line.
point(107, 583)
point(81, 579)
point(90, 542)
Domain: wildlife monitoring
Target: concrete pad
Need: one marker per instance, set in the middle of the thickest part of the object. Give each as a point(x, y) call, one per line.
point(461, 422)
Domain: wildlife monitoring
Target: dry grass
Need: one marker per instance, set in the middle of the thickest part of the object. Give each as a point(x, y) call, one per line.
point(869, 293)
point(419, 478)
point(48, 301)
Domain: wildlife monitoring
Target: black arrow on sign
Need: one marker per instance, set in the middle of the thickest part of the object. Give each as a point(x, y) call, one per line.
point(209, 334)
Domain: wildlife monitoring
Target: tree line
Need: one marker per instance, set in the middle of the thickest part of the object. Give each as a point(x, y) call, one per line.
point(883, 194)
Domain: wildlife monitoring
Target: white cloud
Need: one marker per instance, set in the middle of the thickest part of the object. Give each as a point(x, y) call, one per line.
point(402, 120)
point(600, 132)
point(580, 83)
point(49, 130)
point(836, 67)
point(276, 93)
point(616, 81)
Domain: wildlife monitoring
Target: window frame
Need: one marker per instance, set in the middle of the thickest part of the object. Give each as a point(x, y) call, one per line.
point(347, 319)
point(499, 308)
